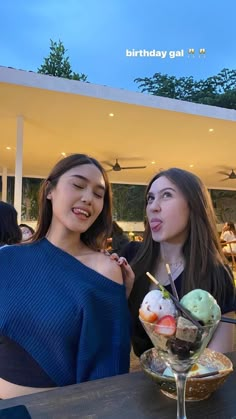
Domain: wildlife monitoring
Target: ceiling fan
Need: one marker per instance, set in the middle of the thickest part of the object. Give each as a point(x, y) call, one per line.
point(117, 167)
point(230, 175)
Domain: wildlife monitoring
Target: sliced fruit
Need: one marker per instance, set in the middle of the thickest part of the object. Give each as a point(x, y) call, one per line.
point(166, 326)
point(148, 317)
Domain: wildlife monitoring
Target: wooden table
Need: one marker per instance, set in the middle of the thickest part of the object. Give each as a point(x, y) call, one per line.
point(126, 396)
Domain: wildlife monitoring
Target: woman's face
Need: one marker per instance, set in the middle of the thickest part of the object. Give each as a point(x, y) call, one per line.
point(77, 199)
point(167, 212)
point(26, 233)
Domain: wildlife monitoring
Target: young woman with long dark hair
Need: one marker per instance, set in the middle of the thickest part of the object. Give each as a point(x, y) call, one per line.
point(180, 231)
point(63, 306)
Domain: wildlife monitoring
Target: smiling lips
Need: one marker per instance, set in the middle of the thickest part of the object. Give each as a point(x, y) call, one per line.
point(155, 224)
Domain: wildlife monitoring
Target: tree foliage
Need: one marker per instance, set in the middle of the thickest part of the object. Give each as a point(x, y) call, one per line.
point(224, 202)
point(30, 190)
point(219, 90)
point(57, 64)
point(128, 202)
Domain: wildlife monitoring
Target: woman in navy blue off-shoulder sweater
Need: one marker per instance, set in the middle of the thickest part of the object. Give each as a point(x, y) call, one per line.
point(63, 309)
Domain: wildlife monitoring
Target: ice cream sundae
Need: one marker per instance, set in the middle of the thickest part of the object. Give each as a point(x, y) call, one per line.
point(178, 331)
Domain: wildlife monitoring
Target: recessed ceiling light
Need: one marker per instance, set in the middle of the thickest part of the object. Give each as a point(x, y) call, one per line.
point(191, 165)
point(211, 129)
point(111, 114)
point(8, 148)
point(63, 154)
point(153, 162)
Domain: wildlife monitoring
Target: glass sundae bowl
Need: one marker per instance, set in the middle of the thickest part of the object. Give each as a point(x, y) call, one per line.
point(180, 350)
point(180, 331)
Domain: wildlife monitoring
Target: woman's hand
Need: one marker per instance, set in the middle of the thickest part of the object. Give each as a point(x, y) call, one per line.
point(127, 272)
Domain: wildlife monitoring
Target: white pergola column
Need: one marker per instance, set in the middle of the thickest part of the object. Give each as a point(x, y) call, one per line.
point(18, 166)
point(4, 184)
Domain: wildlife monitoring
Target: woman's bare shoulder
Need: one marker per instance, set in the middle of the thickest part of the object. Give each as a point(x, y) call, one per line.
point(109, 267)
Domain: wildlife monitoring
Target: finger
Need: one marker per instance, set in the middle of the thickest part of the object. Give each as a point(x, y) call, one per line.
point(114, 256)
point(122, 261)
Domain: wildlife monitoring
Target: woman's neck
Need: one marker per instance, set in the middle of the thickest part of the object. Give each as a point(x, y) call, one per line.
point(67, 241)
point(171, 252)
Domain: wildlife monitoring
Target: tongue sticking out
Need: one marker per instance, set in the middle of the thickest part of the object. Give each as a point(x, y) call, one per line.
point(156, 225)
point(78, 211)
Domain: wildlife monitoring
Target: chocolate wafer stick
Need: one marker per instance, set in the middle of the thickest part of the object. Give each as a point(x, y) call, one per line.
point(174, 290)
point(187, 313)
point(227, 320)
point(206, 374)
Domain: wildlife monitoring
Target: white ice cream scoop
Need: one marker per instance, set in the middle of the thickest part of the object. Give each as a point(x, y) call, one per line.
point(155, 302)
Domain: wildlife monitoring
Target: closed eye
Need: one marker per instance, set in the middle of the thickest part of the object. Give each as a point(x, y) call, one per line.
point(78, 186)
point(99, 195)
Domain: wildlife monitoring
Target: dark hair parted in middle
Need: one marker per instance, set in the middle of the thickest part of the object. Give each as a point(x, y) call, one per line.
point(202, 251)
point(95, 237)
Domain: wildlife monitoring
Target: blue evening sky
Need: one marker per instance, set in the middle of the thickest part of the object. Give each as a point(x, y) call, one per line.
point(98, 33)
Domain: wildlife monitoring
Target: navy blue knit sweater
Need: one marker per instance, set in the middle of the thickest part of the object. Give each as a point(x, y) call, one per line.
point(72, 320)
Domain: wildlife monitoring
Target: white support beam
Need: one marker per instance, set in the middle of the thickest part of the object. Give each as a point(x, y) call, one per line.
point(4, 184)
point(19, 166)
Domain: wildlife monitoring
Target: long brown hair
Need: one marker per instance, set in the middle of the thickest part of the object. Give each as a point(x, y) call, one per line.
point(95, 237)
point(204, 259)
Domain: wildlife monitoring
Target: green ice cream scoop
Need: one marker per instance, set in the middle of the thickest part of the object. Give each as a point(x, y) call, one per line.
point(202, 306)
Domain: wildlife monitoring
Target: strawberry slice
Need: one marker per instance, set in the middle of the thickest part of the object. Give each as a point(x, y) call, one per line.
point(166, 326)
point(148, 317)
